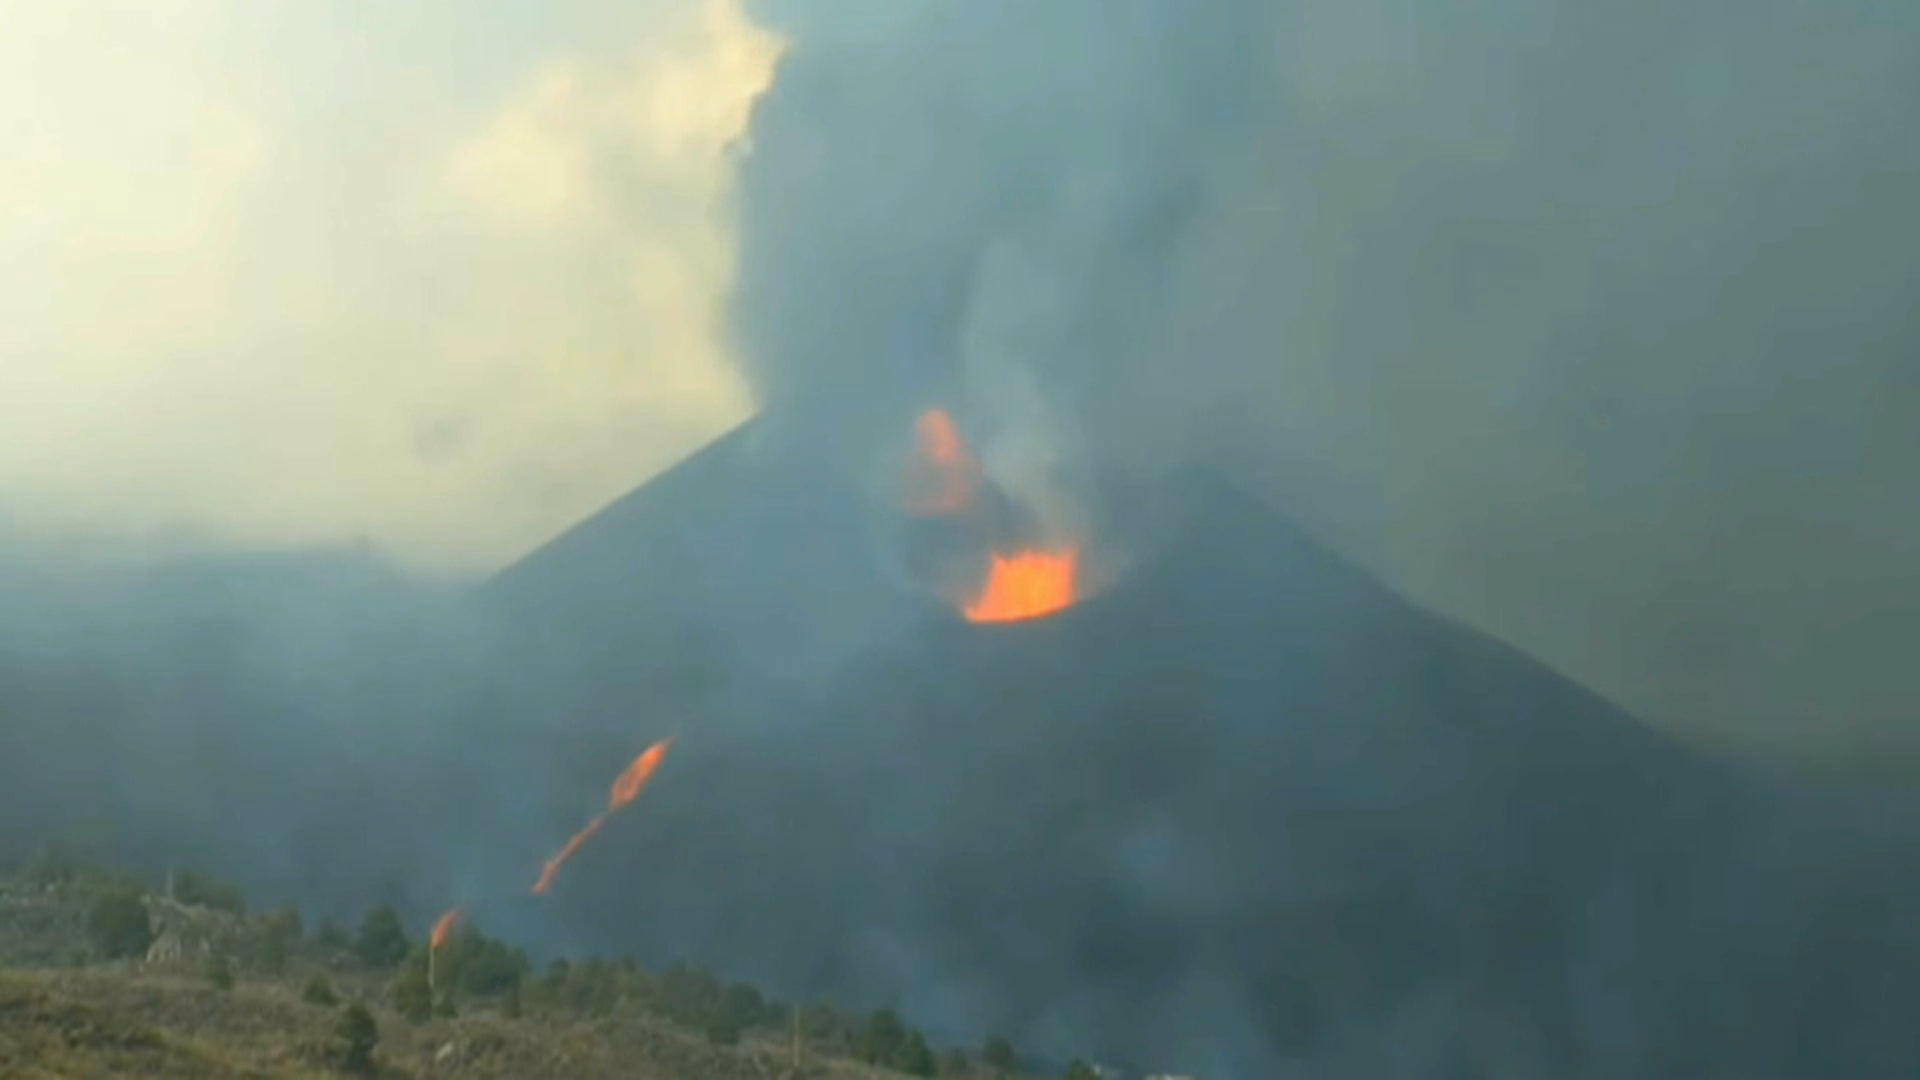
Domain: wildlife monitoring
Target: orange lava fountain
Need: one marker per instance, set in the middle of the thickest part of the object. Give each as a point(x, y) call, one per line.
point(1024, 585)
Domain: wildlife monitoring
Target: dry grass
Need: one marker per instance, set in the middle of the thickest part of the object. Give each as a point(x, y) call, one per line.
point(121, 1021)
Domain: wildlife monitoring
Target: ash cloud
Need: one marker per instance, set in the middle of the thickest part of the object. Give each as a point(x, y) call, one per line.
point(1591, 327)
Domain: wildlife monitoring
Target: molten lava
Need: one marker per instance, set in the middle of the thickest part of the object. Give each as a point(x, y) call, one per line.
point(1020, 584)
point(442, 927)
point(944, 476)
point(626, 788)
point(1024, 585)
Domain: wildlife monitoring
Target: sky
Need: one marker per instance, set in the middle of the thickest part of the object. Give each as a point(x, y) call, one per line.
point(1592, 328)
point(438, 280)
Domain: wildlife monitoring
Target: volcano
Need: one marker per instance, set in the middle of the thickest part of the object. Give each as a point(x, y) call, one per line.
point(1244, 810)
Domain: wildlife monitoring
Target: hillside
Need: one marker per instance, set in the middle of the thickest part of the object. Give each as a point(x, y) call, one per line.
point(100, 978)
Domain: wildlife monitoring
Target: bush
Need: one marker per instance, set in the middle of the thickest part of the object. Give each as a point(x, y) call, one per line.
point(118, 924)
point(997, 1054)
point(885, 1041)
point(914, 1057)
point(319, 991)
point(1080, 1070)
point(191, 888)
point(382, 941)
point(357, 1036)
point(722, 1030)
point(277, 937)
point(473, 963)
point(331, 936)
point(954, 1063)
point(219, 971)
point(411, 995)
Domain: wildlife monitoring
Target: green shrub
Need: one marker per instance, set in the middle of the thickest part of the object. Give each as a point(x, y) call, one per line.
point(997, 1054)
point(191, 888)
point(472, 963)
point(319, 991)
point(382, 941)
point(914, 1057)
point(357, 1036)
point(722, 1030)
point(331, 936)
point(118, 924)
point(219, 971)
point(278, 934)
point(411, 996)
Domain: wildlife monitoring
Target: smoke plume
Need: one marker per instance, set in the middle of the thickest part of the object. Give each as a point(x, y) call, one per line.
point(1589, 326)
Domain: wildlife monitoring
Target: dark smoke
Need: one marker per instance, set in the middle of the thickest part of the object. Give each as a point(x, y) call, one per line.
point(1591, 325)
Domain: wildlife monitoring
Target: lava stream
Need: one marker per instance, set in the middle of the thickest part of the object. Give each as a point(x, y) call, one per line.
point(442, 927)
point(626, 788)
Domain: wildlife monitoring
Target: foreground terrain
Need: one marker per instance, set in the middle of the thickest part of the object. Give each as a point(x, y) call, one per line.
point(100, 978)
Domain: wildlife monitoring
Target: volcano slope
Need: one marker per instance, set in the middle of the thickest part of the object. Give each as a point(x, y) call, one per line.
point(1247, 813)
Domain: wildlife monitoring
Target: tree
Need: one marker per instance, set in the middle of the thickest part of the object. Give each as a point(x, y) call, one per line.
point(319, 991)
point(998, 1055)
point(1080, 1070)
point(953, 1062)
point(382, 941)
point(331, 936)
point(915, 1057)
point(411, 995)
point(880, 1037)
point(277, 936)
point(722, 1030)
point(358, 1035)
point(219, 970)
point(479, 965)
point(118, 924)
point(191, 888)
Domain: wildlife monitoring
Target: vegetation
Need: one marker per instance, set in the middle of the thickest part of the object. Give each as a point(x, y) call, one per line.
point(358, 1036)
point(279, 935)
point(998, 1056)
point(331, 936)
point(119, 925)
point(191, 888)
point(319, 991)
point(219, 971)
point(376, 1001)
point(382, 941)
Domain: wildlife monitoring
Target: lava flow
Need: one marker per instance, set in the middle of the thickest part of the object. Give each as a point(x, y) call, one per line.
point(441, 928)
point(626, 788)
point(1024, 585)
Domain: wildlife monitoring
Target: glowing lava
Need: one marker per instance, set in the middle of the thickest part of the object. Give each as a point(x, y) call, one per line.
point(1024, 585)
point(945, 475)
point(442, 927)
point(626, 788)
